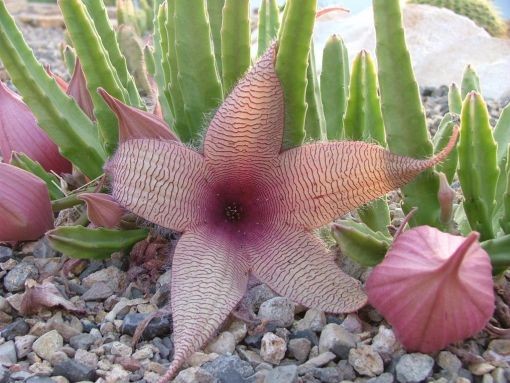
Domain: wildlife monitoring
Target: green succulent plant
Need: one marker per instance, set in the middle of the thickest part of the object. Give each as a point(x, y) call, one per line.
point(482, 12)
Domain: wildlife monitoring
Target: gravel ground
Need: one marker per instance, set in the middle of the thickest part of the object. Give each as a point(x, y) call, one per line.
point(91, 340)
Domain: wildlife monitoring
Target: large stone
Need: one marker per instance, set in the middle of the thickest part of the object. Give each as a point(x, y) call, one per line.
point(15, 279)
point(23, 345)
point(273, 348)
point(17, 328)
point(47, 344)
point(82, 341)
point(98, 291)
point(282, 374)
point(366, 361)
point(314, 320)
point(299, 349)
point(229, 369)
point(74, 371)
point(159, 326)
point(336, 339)
point(8, 353)
point(223, 344)
point(112, 276)
point(194, 375)
point(441, 42)
point(279, 310)
point(414, 368)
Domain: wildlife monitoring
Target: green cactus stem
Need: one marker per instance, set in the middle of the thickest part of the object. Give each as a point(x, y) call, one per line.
point(454, 99)
point(502, 137)
point(291, 66)
point(478, 168)
point(99, 15)
point(24, 162)
point(360, 243)
point(443, 134)
point(57, 114)
point(404, 117)
point(504, 221)
point(269, 23)
point(499, 253)
point(215, 12)
point(84, 243)
point(196, 67)
point(148, 55)
point(235, 42)
point(470, 82)
point(69, 57)
point(181, 125)
point(131, 47)
point(334, 85)
point(97, 68)
point(161, 63)
point(315, 122)
point(363, 121)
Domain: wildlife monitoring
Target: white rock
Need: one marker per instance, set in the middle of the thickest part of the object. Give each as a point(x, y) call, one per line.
point(223, 344)
point(279, 310)
point(414, 368)
point(47, 344)
point(238, 329)
point(272, 348)
point(366, 361)
point(441, 44)
point(121, 349)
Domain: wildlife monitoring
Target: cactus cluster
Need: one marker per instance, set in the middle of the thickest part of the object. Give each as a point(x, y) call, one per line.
point(482, 12)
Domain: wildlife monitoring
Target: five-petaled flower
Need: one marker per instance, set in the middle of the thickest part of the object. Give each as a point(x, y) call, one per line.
point(245, 206)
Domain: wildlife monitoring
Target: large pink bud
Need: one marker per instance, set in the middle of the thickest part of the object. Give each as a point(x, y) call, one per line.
point(434, 288)
point(25, 208)
point(19, 132)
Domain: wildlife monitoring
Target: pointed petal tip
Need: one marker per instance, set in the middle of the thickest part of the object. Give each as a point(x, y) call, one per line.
point(102, 209)
point(443, 154)
point(135, 123)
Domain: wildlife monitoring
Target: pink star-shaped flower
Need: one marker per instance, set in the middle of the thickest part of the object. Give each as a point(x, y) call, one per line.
point(245, 206)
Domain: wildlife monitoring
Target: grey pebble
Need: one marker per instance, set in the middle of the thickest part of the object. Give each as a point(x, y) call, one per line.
point(8, 353)
point(15, 279)
point(17, 328)
point(282, 374)
point(5, 253)
point(229, 369)
point(279, 310)
point(97, 291)
point(82, 341)
point(160, 326)
point(4, 374)
point(74, 371)
point(336, 339)
point(327, 374)
point(39, 379)
point(414, 368)
point(385, 377)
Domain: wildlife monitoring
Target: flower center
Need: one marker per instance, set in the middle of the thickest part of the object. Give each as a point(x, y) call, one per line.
point(234, 212)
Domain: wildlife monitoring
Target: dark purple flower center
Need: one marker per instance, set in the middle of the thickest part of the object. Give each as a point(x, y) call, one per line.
point(234, 212)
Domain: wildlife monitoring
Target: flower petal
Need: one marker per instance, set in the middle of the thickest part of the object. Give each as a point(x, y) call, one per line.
point(19, 132)
point(246, 131)
point(161, 181)
point(295, 264)
point(102, 209)
point(78, 90)
point(25, 207)
point(136, 123)
point(209, 278)
point(323, 181)
point(434, 288)
point(59, 80)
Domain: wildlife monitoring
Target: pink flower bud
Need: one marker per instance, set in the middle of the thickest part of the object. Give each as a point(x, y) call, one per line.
point(434, 288)
point(78, 90)
point(25, 207)
point(102, 209)
point(19, 132)
point(446, 196)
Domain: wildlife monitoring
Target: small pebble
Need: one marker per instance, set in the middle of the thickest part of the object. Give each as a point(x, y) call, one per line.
point(273, 348)
point(366, 361)
point(336, 339)
point(414, 368)
point(282, 374)
point(47, 344)
point(279, 310)
point(15, 279)
point(299, 349)
point(223, 344)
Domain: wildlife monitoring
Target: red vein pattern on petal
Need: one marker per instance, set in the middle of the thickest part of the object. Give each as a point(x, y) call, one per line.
point(323, 181)
point(248, 126)
point(209, 278)
point(295, 264)
point(161, 181)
